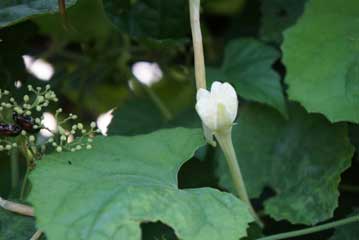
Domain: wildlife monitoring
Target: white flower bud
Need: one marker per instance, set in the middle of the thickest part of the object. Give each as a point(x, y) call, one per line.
point(217, 108)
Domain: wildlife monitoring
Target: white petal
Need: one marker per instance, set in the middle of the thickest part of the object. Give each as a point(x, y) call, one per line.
point(224, 117)
point(207, 110)
point(202, 93)
point(216, 87)
point(231, 100)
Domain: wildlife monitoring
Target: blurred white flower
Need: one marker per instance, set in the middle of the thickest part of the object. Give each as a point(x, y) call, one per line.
point(38, 67)
point(147, 73)
point(103, 121)
point(49, 122)
point(217, 108)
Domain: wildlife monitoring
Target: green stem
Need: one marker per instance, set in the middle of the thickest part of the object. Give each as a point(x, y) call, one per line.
point(199, 63)
point(194, 7)
point(225, 141)
point(29, 159)
point(14, 168)
point(159, 103)
point(24, 183)
point(312, 229)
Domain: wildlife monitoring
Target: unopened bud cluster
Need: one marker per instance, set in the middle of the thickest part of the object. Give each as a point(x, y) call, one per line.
point(74, 139)
point(36, 101)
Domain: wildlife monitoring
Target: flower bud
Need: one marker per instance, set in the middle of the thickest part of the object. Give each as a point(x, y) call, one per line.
point(217, 108)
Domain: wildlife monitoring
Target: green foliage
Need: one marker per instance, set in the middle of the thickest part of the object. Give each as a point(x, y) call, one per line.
point(158, 19)
point(301, 159)
point(107, 192)
point(82, 26)
point(15, 227)
point(347, 232)
point(136, 117)
point(12, 12)
point(291, 155)
point(248, 66)
point(278, 15)
point(321, 56)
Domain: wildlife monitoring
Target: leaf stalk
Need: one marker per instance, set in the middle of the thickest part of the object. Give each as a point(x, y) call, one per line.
point(310, 230)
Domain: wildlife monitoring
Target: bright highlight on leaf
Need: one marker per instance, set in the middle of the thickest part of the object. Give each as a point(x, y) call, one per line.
point(108, 191)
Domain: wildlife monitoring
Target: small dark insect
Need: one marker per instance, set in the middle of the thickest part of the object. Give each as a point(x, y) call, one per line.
point(25, 122)
point(69, 162)
point(9, 130)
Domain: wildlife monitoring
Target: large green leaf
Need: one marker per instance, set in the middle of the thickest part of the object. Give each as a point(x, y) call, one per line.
point(278, 15)
point(12, 12)
point(321, 56)
point(248, 66)
point(15, 227)
point(159, 19)
point(105, 193)
point(301, 159)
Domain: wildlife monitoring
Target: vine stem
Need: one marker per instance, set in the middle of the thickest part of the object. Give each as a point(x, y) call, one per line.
point(16, 207)
point(37, 235)
point(197, 43)
point(199, 63)
point(159, 103)
point(29, 158)
point(312, 229)
point(14, 169)
point(24, 183)
point(225, 141)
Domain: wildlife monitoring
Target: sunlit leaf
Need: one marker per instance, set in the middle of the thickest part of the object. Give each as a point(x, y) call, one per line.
point(105, 193)
point(322, 61)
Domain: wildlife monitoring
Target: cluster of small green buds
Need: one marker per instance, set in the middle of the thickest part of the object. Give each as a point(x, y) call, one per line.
point(37, 99)
point(74, 139)
point(7, 145)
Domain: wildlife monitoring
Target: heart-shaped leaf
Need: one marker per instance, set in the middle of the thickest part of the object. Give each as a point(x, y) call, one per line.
point(322, 60)
point(105, 193)
point(301, 159)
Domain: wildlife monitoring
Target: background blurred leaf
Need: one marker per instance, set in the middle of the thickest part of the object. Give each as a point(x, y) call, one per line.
point(301, 159)
point(278, 15)
point(135, 180)
point(86, 20)
point(15, 227)
point(12, 12)
point(248, 66)
point(322, 62)
point(158, 19)
point(136, 117)
point(347, 232)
